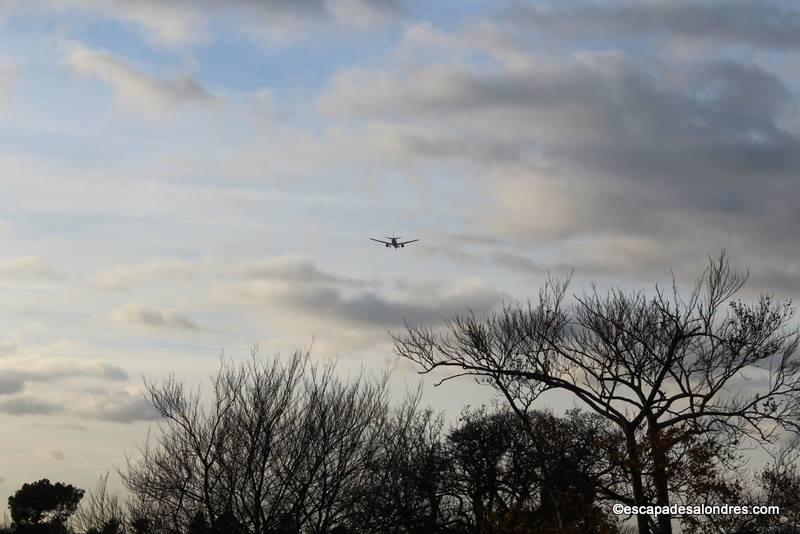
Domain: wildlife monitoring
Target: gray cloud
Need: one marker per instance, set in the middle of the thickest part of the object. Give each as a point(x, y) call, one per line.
point(99, 404)
point(603, 112)
point(136, 315)
point(11, 384)
point(77, 427)
point(583, 149)
point(118, 406)
point(348, 303)
point(519, 263)
point(133, 86)
point(294, 269)
point(376, 310)
point(772, 24)
point(16, 374)
point(29, 406)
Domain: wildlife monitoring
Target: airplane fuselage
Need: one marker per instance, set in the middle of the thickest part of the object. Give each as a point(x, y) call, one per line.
point(394, 242)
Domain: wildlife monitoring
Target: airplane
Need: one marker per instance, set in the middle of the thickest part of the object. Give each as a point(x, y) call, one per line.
point(393, 241)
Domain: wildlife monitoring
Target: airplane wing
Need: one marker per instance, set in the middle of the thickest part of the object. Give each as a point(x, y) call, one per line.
point(379, 241)
point(407, 242)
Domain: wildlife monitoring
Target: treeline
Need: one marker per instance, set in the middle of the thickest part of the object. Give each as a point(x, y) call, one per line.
point(287, 446)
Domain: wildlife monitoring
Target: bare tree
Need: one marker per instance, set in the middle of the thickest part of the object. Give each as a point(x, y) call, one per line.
point(99, 508)
point(411, 476)
point(278, 446)
point(341, 436)
point(662, 368)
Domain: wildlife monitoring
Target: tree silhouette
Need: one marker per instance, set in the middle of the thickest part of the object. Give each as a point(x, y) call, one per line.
point(279, 444)
point(43, 507)
point(100, 510)
point(286, 448)
point(412, 476)
point(112, 526)
point(199, 525)
point(544, 480)
point(663, 369)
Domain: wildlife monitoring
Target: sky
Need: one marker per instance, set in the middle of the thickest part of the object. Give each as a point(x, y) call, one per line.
point(186, 177)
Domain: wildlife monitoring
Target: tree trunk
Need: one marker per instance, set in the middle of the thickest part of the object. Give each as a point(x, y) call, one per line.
point(659, 447)
point(635, 471)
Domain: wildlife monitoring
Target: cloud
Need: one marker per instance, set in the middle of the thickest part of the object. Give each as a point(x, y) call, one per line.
point(519, 263)
point(373, 309)
point(76, 427)
point(599, 148)
point(364, 14)
point(28, 267)
point(98, 404)
point(124, 277)
point(29, 406)
point(8, 348)
point(132, 86)
point(115, 406)
point(186, 22)
point(170, 23)
point(50, 454)
point(336, 300)
point(140, 316)
point(294, 269)
point(11, 384)
point(770, 24)
point(16, 373)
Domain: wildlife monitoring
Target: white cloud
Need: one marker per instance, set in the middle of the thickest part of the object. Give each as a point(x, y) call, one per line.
point(172, 23)
point(131, 85)
point(124, 277)
point(28, 267)
point(186, 22)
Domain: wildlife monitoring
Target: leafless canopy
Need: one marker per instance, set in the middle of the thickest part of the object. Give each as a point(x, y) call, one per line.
point(667, 365)
point(277, 446)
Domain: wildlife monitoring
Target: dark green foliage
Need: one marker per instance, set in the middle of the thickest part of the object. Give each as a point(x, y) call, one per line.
point(39, 504)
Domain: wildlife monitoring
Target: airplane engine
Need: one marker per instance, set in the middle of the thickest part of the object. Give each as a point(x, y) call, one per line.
point(402, 245)
point(387, 245)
